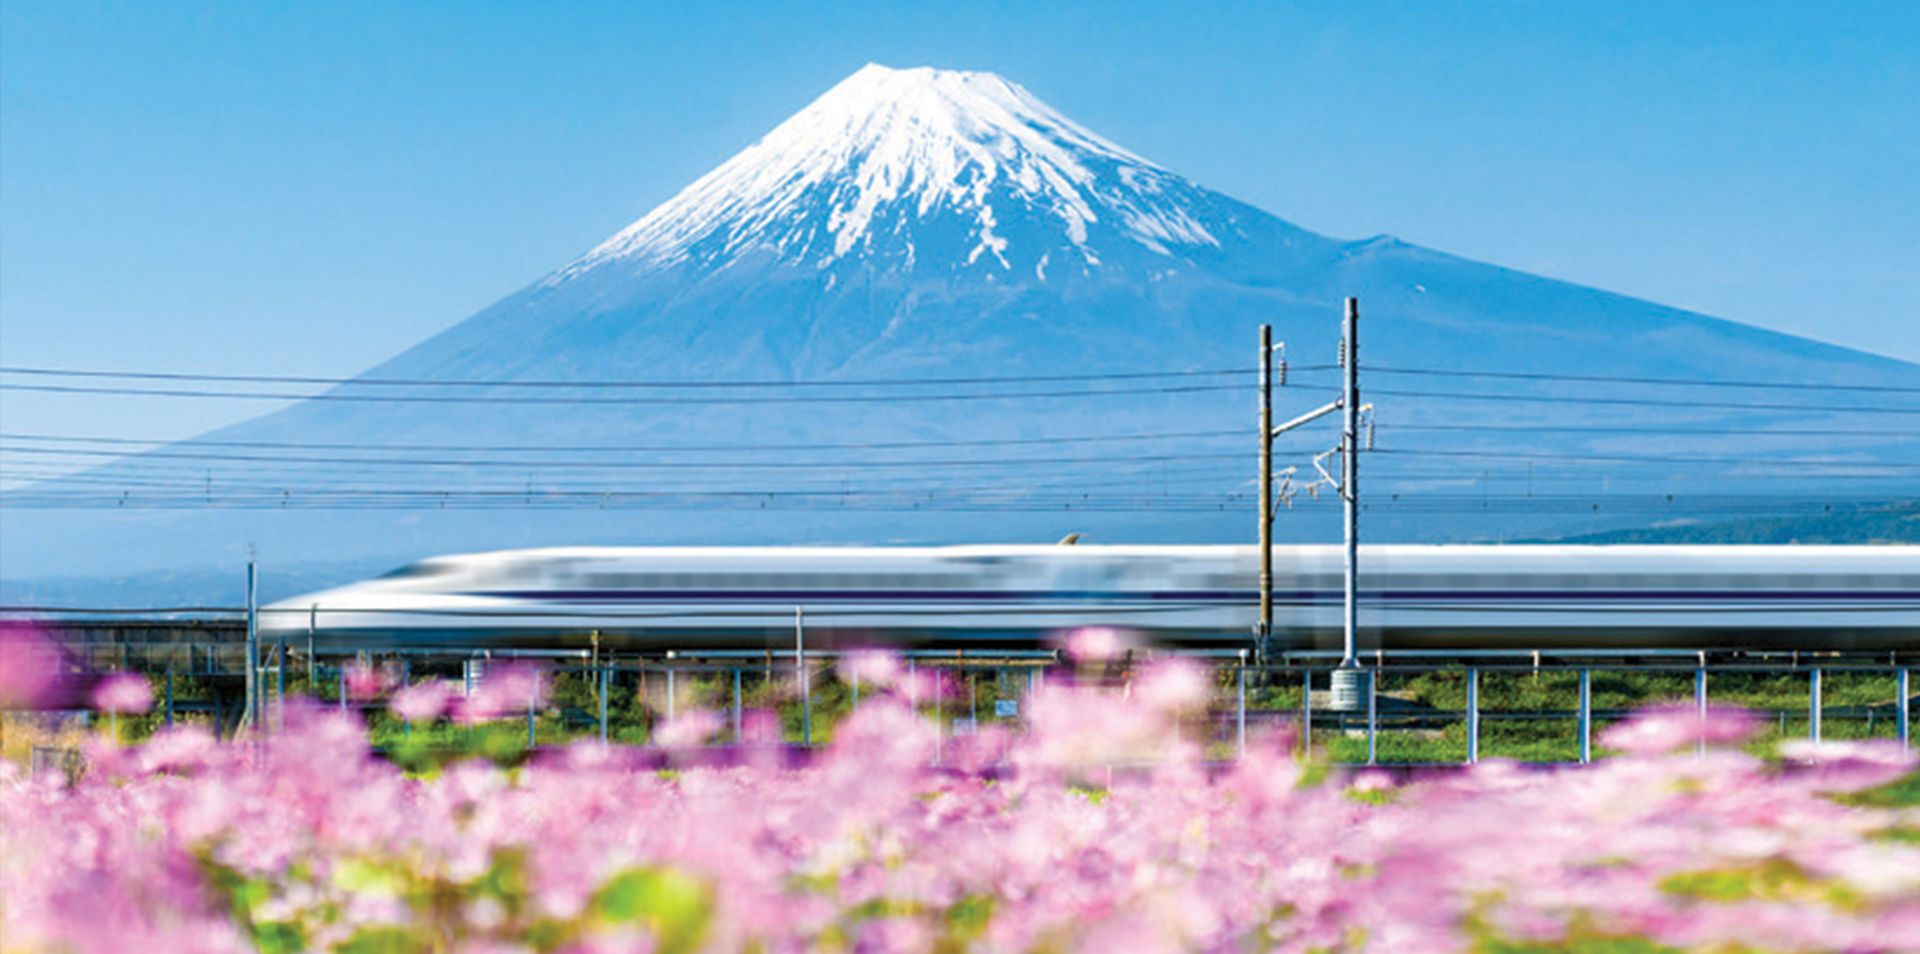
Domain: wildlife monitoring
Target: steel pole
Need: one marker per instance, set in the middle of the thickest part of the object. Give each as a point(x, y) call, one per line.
point(1373, 718)
point(253, 647)
point(800, 670)
point(1350, 480)
point(280, 683)
point(1264, 638)
point(1306, 710)
point(1813, 705)
point(1586, 716)
point(1906, 714)
point(1240, 712)
point(1473, 716)
point(1700, 707)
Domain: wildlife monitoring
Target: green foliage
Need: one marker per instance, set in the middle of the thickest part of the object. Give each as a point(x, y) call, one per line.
point(677, 908)
point(1575, 944)
point(1904, 793)
point(968, 918)
point(380, 940)
point(279, 937)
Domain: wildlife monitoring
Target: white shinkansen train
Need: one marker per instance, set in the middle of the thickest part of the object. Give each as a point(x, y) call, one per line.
point(1411, 597)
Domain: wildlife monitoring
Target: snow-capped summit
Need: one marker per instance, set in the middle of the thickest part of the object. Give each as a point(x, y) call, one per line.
point(926, 168)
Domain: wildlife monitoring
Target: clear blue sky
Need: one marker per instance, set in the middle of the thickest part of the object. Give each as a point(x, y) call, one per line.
point(307, 188)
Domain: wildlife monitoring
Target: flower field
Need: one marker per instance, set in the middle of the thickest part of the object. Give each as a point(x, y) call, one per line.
point(1100, 828)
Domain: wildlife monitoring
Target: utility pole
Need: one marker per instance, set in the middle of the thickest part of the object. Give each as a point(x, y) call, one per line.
point(1350, 476)
point(1264, 638)
point(1269, 431)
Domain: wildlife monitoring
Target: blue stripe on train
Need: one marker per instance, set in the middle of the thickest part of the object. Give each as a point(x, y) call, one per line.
point(1192, 596)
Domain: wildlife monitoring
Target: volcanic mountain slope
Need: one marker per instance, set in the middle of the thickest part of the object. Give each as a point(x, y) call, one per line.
point(950, 228)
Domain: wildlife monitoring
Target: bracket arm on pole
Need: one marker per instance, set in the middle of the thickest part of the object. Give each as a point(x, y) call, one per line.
point(1309, 417)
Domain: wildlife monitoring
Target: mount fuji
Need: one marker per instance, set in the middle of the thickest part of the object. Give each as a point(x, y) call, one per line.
point(930, 308)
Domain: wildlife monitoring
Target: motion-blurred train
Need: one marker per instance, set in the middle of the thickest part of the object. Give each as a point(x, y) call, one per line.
point(1410, 597)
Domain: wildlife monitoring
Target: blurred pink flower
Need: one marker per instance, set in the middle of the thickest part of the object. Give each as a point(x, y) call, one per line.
point(760, 727)
point(423, 701)
point(508, 689)
point(688, 729)
point(182, 748)
point(927, 684)
point(1094, 838)
point(1173, 685)
point(29, 665)
point(872, 666)
point(124, 693)
point(1095, 644)
point(1661, 729)
point(1847, 766)
point(368, 682)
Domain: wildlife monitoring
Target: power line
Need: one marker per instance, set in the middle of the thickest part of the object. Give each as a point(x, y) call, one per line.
point(513, 383)
point(762, 464)
point(1643, 402)
point(578, 401)
point(1620, 379)
point(636, 448)
point(114, 374)
point(638, 465)
point(1644, 459)
point(1654, 429)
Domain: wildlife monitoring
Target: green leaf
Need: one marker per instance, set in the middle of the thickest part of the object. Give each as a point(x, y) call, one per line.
point(969, 916)
point(677, 907)
point(279, 937)
point(380, 940)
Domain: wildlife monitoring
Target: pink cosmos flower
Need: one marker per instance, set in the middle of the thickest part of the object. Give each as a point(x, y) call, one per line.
point(1173, 685)
point(123, 693)
point(28, 666)
point(1095, 644)
point(422, 702)
point(1847, 766)
point(1661, 729)
point(871, 666)
point(508, 689)
point(368, 682)
point(688, 729)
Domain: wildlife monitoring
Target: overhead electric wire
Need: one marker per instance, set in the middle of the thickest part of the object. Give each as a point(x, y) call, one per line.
point(517, 383)
point(1653, 429)
point(1644, 459)
point(1623, 379)
point(639, 448)
point(844, 465)
point(187, 376)
point(902, 503)
point(1638, 402)
point(579, 401)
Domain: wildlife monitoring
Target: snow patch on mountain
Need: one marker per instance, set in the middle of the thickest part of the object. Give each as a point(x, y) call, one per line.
point(887, 151)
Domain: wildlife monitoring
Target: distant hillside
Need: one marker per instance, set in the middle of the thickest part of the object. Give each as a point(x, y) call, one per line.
point(1899, 524)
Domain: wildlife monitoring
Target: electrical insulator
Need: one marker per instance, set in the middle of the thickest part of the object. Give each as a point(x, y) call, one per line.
point(1283, 372)
point(1343, 353)
point(1369, 432)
